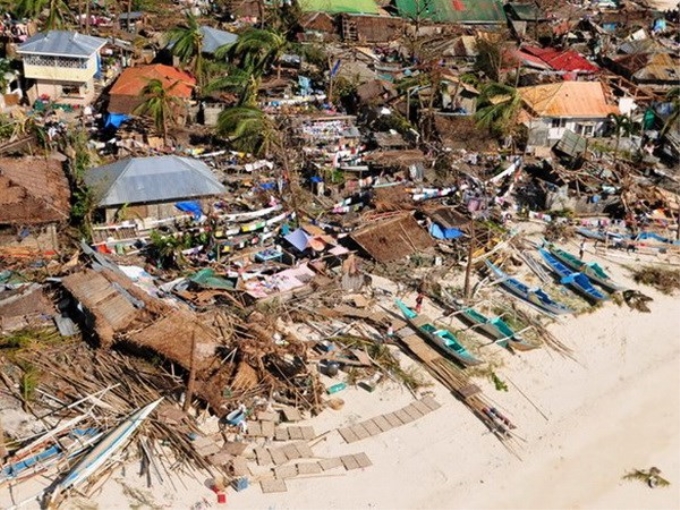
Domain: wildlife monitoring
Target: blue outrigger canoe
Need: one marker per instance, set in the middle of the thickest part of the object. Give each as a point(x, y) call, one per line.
point(577, 281)
point(591, 269)
point(534, 296)
point(442, 338)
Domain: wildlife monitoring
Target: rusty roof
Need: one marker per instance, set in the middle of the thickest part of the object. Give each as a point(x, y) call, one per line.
point(33, 191)
point(393, 239)
point(132, 81)
point(568, 99)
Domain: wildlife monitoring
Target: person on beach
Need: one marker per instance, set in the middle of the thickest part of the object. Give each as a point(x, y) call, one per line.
point(419, 302)
point(581, 249)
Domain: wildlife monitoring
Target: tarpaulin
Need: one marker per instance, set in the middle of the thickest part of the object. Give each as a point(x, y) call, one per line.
point(190, 207)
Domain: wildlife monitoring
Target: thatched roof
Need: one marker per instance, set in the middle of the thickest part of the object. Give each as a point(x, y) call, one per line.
point(33, 191)
point(393, 239)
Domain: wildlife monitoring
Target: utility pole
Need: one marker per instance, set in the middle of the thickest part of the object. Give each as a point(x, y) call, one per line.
point(468, 267)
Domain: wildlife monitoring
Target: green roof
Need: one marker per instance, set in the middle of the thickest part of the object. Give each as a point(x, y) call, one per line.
point(454, 11)
point(340, 6)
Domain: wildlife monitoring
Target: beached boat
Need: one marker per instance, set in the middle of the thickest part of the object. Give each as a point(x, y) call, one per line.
point(495, 327)
point(103, 451)
point(591, 269)
point(534, 296)
point(576, 281)
point(249, 215)
point(602, 235)
point(442, 338)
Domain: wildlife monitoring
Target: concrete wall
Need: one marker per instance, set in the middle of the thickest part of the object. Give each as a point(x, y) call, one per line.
point(57, 73)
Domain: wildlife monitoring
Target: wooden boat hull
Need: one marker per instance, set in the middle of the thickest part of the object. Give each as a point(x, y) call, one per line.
point(576, 281)
point(443, 339)
point(592, 271)
point(536, 297)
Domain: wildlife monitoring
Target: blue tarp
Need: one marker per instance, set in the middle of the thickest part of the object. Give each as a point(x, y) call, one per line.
point(115, 119)
point(190, 207)
point(444, 233)
point(298, 239)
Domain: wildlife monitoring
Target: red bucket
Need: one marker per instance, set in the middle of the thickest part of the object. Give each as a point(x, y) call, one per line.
point(222, 498)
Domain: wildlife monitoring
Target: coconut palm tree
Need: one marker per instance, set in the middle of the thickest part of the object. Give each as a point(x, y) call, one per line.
point(257, 50)
point(238, 81)
point(159, 104)
point(187, 45)
point(58, 11)
point(622, 125)
point(250, 130)
point(498, 106)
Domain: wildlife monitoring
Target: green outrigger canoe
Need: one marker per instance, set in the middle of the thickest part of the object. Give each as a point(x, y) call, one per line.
point(591, 269)
point(494, 327)
point(442, 338)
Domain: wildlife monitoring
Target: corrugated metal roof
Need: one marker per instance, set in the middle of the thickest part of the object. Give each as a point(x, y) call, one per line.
point(454, 11)
point(152, 179)
point(61, 43)
point(132, 81)
point(214, 38)
point(568, 99)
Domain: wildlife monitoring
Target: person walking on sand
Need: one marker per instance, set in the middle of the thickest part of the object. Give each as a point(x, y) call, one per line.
point(581, 249)
point(419, 302)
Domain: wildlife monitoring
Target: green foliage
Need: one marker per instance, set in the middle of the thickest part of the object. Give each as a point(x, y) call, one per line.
point(159, 104)
point(312, 54)
point(489, 58)
point(499, 384)
point(58, 11)
point(29, 381)
point(497, 107)
point(250, 130)
point(187, 41)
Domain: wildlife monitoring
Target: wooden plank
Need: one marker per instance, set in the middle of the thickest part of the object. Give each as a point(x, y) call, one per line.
point(268, 429)
point(254, 429)
point(348, 435)
point(328, 464)
point(291, 452)
point(382, 423)
point(275, 485)
point(291, 414)
point(469, 390)
point(349, 462)
point(413, 412)
point(393, 420)
point(295, 433)
point(281, 434)
point(304, 450)
point(278, 457)
point(263, 456)
point(360, 431)
point(309, 468)
point(363, 460)
point(239, 466)
point(267, 416)
point(422, 408)
point(308, 433)
point(285, 471)
point(371, 427)
point(431, 402)
point(403, 416)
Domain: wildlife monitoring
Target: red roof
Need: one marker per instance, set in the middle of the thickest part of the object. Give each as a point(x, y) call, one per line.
point(567, 61)
point(134, 79)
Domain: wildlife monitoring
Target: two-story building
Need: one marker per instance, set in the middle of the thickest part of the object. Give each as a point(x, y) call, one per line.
point(63, 65)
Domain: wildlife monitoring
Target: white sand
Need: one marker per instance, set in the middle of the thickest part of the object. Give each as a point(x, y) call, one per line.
point(617, 408)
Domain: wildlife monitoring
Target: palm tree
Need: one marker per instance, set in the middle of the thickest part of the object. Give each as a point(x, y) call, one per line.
point(238, 81)
point(250, 130)
point(256, 49)
point(622, 125)
point(159, 104)
point(498, 106)
point(187, 45)
point(58, 10)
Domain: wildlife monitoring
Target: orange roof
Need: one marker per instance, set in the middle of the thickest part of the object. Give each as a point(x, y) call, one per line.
point(134, 79)
point(568, 99)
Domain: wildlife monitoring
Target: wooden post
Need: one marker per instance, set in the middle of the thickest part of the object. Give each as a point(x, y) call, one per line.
point(468, 267)
point(192, 373)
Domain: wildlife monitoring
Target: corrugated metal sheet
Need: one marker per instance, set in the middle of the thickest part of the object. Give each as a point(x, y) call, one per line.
point(152, 179)
point(214, 38)
point(61, 43)
point(568, 99)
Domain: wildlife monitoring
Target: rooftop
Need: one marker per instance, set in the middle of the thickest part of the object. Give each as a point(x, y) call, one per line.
point(340, 6)
point(568, 99)
point(152, 179)
point(454, 11)
point(132, 81)
point(214, 38)
point(62, 43)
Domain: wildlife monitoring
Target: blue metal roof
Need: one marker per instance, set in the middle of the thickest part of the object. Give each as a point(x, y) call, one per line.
point(61, 43)
point(214, 38)
point(152, 179)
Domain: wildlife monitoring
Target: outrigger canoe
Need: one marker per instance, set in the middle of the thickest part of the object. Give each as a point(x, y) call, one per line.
point(103, 451)
point(577, 281)
point(534, 296)
point(591, 269)
point(441, 338)
point(494, 327)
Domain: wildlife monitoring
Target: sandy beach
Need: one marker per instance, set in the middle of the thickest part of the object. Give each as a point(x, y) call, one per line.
point(582, 424)
point(613, 409)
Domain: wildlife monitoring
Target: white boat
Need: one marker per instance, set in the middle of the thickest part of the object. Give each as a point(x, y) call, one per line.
point(103, 451)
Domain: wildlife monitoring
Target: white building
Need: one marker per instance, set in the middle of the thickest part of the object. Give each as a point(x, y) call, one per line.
point(64, 65)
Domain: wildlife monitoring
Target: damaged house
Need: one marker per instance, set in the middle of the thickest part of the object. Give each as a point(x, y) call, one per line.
point(150, 187)
point(35, 199)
